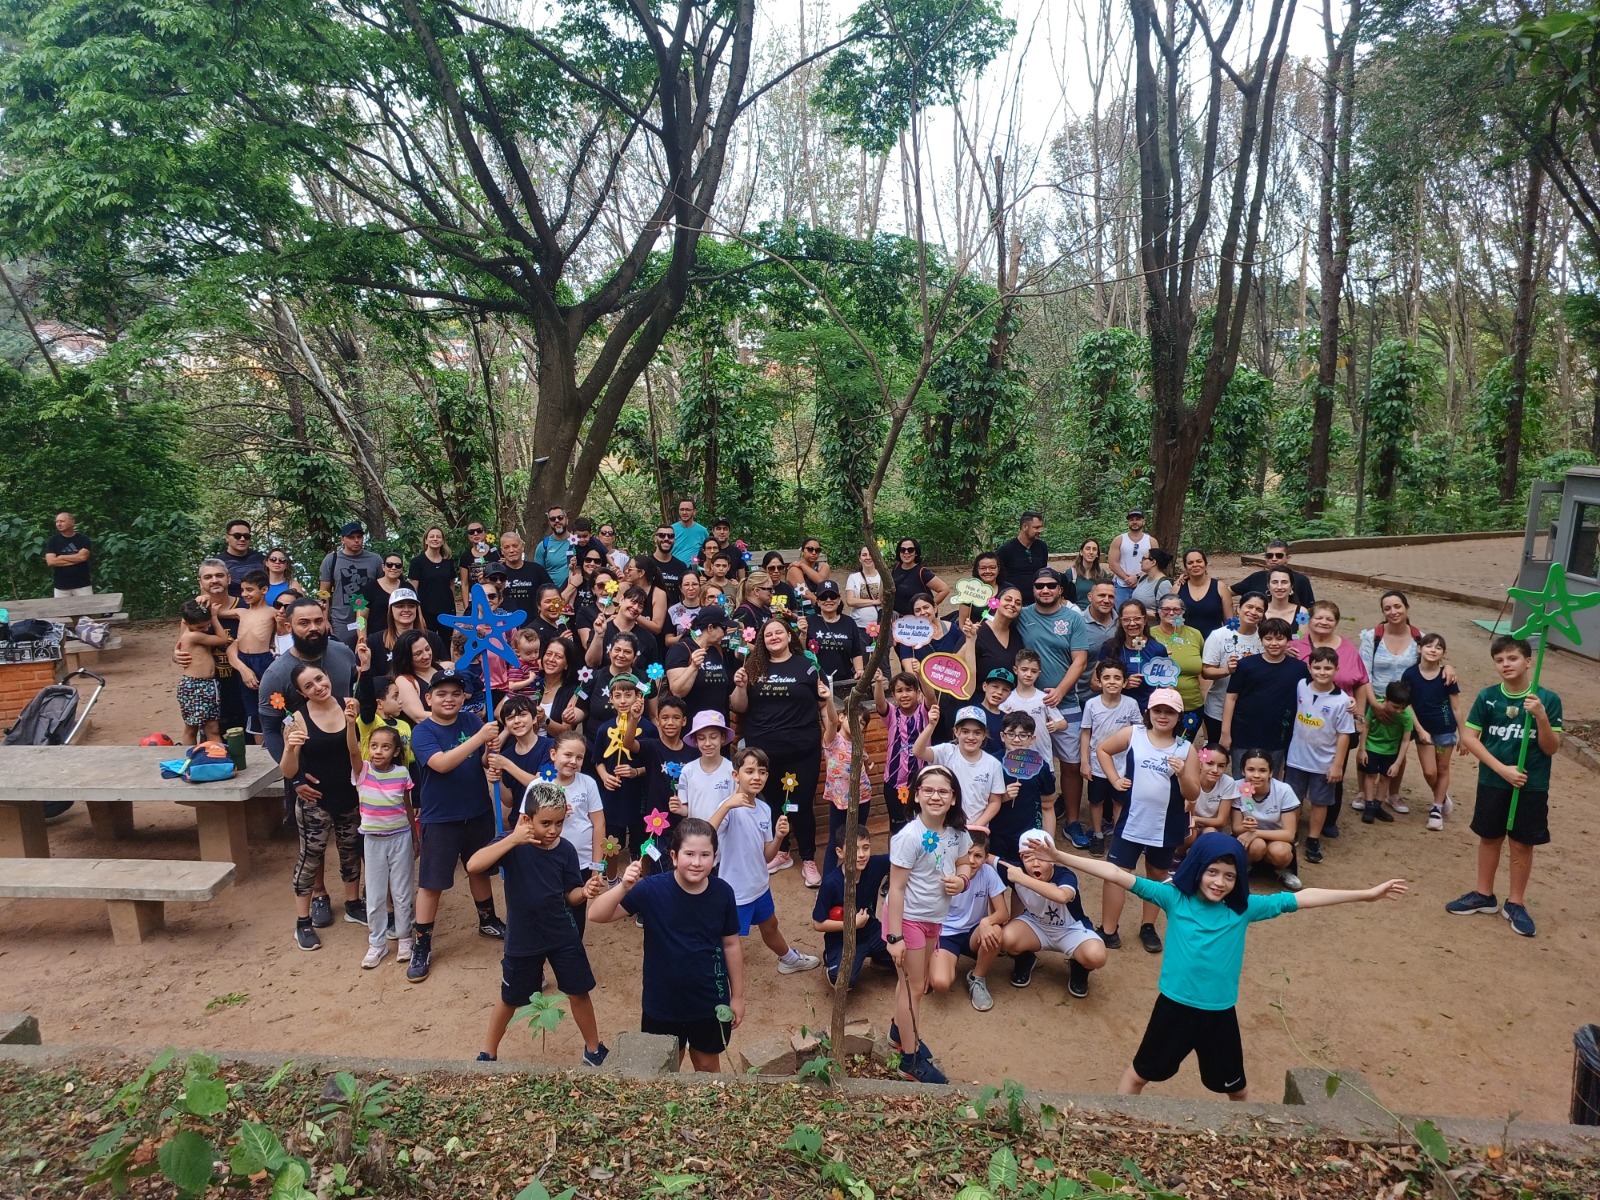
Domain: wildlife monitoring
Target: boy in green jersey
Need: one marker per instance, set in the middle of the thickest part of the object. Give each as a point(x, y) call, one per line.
point(1501, 717)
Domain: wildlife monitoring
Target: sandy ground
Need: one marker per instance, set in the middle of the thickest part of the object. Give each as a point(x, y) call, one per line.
point(1441, 1013)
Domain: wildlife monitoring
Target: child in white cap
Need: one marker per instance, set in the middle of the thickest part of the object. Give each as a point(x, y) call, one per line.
point(982, 781)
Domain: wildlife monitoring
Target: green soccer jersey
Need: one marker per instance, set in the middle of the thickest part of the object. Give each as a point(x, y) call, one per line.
point(1383, 737)
point(1500, 721)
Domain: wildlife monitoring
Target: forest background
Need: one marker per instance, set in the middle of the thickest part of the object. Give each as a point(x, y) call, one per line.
point(899, 266)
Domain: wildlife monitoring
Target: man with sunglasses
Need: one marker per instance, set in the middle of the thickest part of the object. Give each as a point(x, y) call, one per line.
point(690, 536)
point(1055, 630)
point(478, 554)
point(671, 569)
point(240, 554)
point(554, 552)
point(1277, 556)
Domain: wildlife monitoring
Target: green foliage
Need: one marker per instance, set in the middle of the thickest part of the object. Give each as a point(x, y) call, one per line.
point(1390, 410)
point(536, 1191)
point(1106, 428)
point(542, 1014)
point(365, 1108)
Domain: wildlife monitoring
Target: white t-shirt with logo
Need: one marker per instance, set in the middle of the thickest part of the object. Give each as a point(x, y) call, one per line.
point(1222, 644)
point(979, 780)
point(972, 905)
point(930, 856)
point(1208, 803)
point(1319, 719)
point(1102, 720)
point(583, 801)
point(1268, 810)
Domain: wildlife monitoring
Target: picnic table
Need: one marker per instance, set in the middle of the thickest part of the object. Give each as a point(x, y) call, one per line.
point(112, 779)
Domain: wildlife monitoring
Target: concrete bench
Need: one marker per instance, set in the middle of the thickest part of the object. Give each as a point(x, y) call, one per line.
point(134, 889)
point(105, 607)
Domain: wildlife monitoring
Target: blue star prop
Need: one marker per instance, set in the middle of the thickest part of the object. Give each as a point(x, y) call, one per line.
point(1541, 615)
point(496, 641)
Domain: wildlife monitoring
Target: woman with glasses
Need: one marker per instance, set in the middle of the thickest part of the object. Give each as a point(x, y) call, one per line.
point(617, 558)
point(282, 638)
point(757, 604)
point(433, 577)
point(682, 614)
point(912, 579)
point(1153, 583)
point(583, 616)
point(479, 553)
point(809, 572)
point(1206, 604)
point(390, 579)
point(1184, 646)
point(280, 573)
point(777, 572)
point(579, 590)
point(863, 591)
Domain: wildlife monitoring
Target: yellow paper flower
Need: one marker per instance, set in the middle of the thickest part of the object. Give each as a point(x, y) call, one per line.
point(490, 538)
point(790, 782)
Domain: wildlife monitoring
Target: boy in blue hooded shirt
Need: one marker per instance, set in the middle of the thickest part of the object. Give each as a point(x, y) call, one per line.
point(1208, 906)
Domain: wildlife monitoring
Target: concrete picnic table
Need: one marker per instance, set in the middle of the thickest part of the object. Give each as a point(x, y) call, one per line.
point(112, 779)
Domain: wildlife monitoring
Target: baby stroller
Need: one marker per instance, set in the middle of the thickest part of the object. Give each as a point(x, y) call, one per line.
point(49, 721)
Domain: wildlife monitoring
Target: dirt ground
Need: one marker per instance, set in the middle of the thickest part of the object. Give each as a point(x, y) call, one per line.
point(1443, 1014)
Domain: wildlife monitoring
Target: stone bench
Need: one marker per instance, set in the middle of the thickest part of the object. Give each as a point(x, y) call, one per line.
point(134, 889)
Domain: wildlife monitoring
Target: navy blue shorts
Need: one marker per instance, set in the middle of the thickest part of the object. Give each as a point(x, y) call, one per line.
point(957, 944)
point(1125, 854)
point(445, 843)
point(705, 1036)
point(522, 975)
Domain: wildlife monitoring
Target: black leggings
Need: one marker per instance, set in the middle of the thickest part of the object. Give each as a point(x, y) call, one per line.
point(900, 814)
point(806, 767)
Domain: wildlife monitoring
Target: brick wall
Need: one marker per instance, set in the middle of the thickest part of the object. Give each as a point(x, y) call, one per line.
point(20, 682)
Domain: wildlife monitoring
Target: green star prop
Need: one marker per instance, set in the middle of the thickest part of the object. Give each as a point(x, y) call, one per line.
point(1554, 592)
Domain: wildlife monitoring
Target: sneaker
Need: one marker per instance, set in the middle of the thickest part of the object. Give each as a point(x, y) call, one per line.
point(491, 926)
point(1077, 978)
point(894, 1036)
point(321, 911)
point(1449, 804)
point(1380, 813)
point(809, 875)
point(978, 989)
point(1436, 817)
point(593, 1058)
point(1330, 833)
point(1113, 941)
point(1519, 918)
point(1290, 880)
point(355, 911)
point(1313, 850)
point(1400, 806)
point(1355, 806)
point(800, 962)
point(1149, 938)
point(779, 862)
point(485, 1056)
point(374, 956)
point(421, 954)
point(1368, 816)
point(1473, 902)
point(389, 930)
point(1079, 835)
point(403, 953)
point(1097, 846)
point(306, 937)
point(1022, 969)
point(919, 1068)
point(638, 922)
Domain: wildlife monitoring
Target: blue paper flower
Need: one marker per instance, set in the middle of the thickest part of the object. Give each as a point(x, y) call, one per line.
point(655, 670)
point(672, 770)
point(930, 841)
point(548, 772)
point(1233, 622)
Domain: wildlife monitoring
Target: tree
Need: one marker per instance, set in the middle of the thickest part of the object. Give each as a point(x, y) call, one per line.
point(1181, 151)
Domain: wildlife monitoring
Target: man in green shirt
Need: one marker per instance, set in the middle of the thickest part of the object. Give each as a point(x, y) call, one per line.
point(1502, 717)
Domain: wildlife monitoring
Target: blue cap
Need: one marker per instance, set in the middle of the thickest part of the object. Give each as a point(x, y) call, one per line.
point(972, 713)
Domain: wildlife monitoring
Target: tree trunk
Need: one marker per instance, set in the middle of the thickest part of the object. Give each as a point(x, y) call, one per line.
point(1522, 328)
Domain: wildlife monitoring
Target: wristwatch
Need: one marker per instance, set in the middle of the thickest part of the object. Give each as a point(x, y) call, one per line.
point(893, 939)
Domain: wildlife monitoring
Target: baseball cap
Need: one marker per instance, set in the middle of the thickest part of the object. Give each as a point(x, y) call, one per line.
point(1049, 573)
point(1165, 698)
point(1136, 512)
point(449, 677)
point(352, 528)
point(709, 718)
point(973, 713)
point(827, 589)
point(1000, 675)
point(711, 615)
point(496, 570)
point(403, 596)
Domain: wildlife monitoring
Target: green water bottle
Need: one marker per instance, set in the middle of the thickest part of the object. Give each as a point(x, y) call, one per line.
point(236, 743)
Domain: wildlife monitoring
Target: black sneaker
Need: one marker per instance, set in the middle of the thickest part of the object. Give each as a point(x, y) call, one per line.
point(491, 926)
point(920, 1068)
point(593, 1058)
point(1330, 833)
point(306, 937)
point(485, 1056)
point(1149, 938)
point(321, 911)
point(1313, 850)
point(1368, 816)
point(1097, 845)
point(1377, 811)
point(355, 911)
point(421, 954)
point(1022, 969)
point(1077, 978)
point(1113, 941)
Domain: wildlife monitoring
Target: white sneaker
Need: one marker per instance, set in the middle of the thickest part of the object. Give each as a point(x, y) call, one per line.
point(1436, 817)
point(1290, 880)
point(1358, 806)
point(801, 962)
point(1399, 806)
point(404, 954)
point(375, 955)
point(1449, 804)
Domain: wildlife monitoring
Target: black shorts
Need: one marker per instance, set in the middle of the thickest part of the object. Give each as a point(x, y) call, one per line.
point(706, 1036)
point(1532, 827)
point(522, 975)
point(1101, 792)
point(1125, 854)
point(1177, 1030)
point(445, 843)
point(1378, 764)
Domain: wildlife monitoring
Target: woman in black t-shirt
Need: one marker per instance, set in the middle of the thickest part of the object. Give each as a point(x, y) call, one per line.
point(580, 590)
point(911, 579)
point(432, 576)
point(998, 640)
point(778, 574)
point(778, 690)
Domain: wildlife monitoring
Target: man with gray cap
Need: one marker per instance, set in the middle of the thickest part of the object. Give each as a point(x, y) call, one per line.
point(345, 572)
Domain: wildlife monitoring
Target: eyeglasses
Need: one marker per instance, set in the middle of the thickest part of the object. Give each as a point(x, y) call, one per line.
point(243, 537)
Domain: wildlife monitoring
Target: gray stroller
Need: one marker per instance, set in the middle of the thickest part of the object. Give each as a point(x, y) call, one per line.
point(52, 719)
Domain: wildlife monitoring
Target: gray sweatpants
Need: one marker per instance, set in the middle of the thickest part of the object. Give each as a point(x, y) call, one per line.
point(391, 878)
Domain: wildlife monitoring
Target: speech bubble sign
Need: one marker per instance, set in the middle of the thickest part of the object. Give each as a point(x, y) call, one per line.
point(972, 591)
point(1022, 763)
point(948, 674)
point(913, 631)
point(1161, 672)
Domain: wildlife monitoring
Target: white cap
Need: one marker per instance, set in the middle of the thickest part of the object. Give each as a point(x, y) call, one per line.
point(1036, 835)
point(402, 596)
point(971, 712)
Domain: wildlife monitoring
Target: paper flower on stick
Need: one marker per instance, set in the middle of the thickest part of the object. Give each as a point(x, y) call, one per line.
point(611, 587)
point(872, 630)
point(277, 701)
point(930, 841)
point(548, 772)
point(790, 782)
point(617, 739)
point(585, 674)
point(994, 603)
point(611, 846)
point(672, 770)
point(741, 545)
point(655, 671)
point(572, 539)
point(655, 822)
point(1233, 623)
point(749, 634)
point(1542, 615)
point(903, 793)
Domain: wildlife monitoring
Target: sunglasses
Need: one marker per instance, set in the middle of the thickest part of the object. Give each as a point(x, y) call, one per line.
point(1046, 587)
point(478, 532)
point(908, 549)
point(812, 549)
point(279, 562)
point(393, 566)
point(593, 562)
point(243, 537)
point(608, 533)
point(1276, 557)
point(665, 537)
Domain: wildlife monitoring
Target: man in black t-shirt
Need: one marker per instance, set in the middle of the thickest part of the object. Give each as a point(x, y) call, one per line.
point(671, 569)
point(1277, 556)
point(240, 554)
point(67, 555)
point(523, 577)
point(1024, 556)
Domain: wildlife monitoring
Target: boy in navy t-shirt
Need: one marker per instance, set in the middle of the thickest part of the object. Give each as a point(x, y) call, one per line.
point(1023, 807)
point(454, 809)
point(1258, 713)
point(543, 885)
point(827, 915)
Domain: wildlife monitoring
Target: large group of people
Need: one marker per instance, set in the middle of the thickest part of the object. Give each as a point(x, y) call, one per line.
point(656, 748)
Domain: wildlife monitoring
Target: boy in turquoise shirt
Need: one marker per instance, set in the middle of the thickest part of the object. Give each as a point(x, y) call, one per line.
point(1209, 907)
point(1501, 718)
